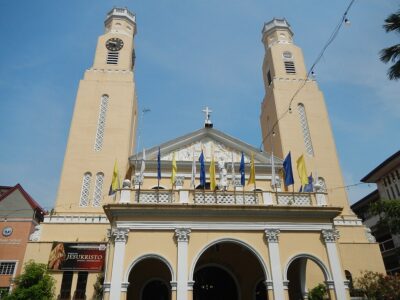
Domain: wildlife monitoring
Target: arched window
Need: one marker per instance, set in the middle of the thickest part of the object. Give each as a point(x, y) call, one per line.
point(98, 188)
point(84, 201)
point(306, 131)
point(101, 123)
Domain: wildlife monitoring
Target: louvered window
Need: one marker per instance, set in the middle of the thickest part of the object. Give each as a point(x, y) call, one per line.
point(112, 57)
point(98, 188)
point(289, 67)
point(305, 129)
point(101, 123)
point(84, 201)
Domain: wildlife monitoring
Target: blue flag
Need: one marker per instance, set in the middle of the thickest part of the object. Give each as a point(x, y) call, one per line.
point(159, 164)
point(309, 188)
point(202, 170)
point(287, 168)
point(242, 171)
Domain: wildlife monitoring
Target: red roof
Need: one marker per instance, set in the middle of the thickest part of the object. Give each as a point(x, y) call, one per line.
point(28, 197)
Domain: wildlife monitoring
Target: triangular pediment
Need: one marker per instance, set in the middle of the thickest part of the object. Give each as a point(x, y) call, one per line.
point(213, 142)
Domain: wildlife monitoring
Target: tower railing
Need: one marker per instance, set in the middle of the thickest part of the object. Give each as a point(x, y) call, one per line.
point(207, 197)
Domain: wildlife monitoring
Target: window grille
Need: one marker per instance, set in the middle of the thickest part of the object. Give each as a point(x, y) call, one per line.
point(101, 123)
point(306, 131)
point(98, 188)
point(85, 190)
point(112, 57)
point(7, 268)
point(289, 67)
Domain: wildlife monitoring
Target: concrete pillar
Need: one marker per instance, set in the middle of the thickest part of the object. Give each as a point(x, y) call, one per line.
point(120, 238)
point(274, 257)
point(330, 236)
point(182, 238)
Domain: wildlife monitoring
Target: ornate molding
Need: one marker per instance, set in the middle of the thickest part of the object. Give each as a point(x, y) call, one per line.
point(330, 235)
point(120, 235)
point(124, 286)
point(182, 234)
point(369, 235)
point(269, 284)
point(272, 235)
point(106, 287)
point(35, 236)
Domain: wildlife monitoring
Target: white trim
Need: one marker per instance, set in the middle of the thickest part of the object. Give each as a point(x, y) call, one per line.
point(314, 258)
point(216, 265)
point(231, 240)
point(167, 225)
point(347, 222)
point(146, 256)
point(77, 219)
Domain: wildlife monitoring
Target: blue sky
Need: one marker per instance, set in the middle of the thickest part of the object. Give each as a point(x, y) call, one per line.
point(190, 54)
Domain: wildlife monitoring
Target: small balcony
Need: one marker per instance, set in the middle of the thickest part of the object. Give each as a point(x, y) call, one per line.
point(200, 197)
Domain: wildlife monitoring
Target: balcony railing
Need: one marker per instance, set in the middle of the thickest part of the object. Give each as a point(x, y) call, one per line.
point(199, 197)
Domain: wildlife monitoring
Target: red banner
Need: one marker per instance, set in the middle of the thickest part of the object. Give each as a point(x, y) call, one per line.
point(77, 257)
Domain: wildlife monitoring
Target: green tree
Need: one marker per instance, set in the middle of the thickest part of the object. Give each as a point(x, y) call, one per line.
point(319, 292)
point(33, 284)
point(377, 286)
point(389, 214)
point(98, 287)
point(392, 54)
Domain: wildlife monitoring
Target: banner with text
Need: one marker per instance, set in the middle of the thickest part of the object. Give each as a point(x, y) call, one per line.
point(77, 257)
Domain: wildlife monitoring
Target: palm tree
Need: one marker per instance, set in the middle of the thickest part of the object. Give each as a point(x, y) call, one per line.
point(392, 54)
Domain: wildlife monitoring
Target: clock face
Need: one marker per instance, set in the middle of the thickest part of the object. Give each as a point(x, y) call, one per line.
point(114, 44)
point(7, 231)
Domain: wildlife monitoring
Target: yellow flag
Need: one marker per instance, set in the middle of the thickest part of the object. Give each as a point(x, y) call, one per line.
point(114, 181)
point(174, 169)
point(301, 169)
point(212, 174)
point(252, 177)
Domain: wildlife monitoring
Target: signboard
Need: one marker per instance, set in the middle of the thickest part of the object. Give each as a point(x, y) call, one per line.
point(77, 257)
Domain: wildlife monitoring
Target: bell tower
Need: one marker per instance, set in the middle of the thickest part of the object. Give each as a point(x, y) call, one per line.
point(303, 126)
point(104, 119)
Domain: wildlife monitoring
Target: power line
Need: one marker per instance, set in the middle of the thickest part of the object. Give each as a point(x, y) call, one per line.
point(343, 20)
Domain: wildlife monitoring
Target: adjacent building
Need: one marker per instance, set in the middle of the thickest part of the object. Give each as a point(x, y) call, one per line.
point(204, 215)
point(20, 216)
point(387, 178)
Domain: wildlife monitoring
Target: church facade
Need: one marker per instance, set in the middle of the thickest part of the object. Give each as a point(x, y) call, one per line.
point(224, 227)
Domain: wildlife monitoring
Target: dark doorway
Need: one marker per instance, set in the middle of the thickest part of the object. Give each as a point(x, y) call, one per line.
point(261, 291)
point(214, 283)
point(155, 290)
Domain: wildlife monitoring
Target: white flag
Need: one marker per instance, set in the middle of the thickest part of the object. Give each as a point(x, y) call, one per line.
point(233, 171)
point(193, 178)
point(143, 165)
point(273, 179)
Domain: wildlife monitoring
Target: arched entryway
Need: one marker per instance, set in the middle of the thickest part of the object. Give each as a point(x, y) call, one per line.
point(228, 270)
point(303, 273)
point(212, 282)
point(150, 279)
point(155, 289)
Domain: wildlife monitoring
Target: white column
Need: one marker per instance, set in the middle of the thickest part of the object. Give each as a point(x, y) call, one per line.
point(120, 238)
point(182, 238)
point(330, 236)
point(276, 270)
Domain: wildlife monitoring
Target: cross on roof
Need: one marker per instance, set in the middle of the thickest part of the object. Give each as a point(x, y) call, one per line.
point(207, 121)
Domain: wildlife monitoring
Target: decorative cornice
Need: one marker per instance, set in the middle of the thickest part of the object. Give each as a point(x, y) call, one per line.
point(250, 226)
point(120, 235)
point(330, 235)
point(80, 219)
point(182, 234)
point(174, 284)
point(272, 235)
